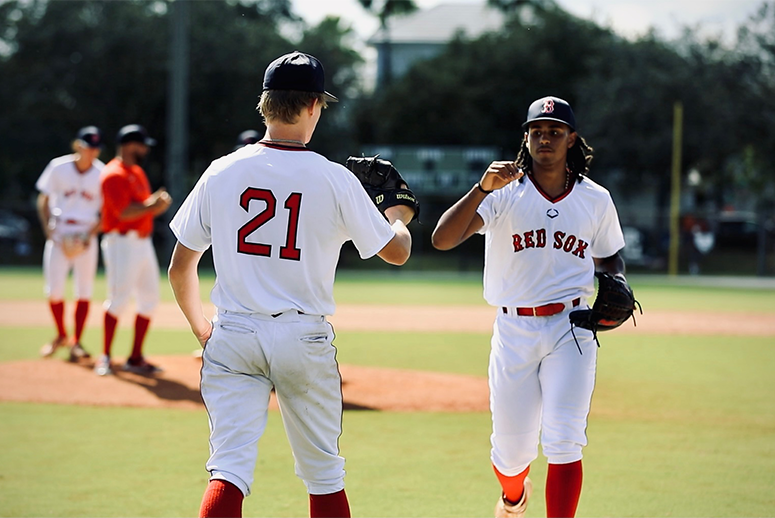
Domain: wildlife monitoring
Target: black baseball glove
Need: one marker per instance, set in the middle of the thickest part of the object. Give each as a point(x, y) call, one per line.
point(613, 305)
point(383, 183)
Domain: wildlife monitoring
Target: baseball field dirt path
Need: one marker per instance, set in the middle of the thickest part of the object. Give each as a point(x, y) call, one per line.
point(58, 381)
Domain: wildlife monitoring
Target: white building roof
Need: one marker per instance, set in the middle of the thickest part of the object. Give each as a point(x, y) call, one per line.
point(441, 23)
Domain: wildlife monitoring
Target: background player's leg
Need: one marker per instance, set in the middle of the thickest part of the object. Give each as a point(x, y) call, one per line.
point(58, 312)
point(55, 269)
point(84, 271)
point(141, 328)
point(147, 289)
point(81, 314)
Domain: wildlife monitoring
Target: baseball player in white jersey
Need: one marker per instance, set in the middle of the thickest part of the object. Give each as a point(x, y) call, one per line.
point(547, 228)
point(69, 206)
point(276, 216)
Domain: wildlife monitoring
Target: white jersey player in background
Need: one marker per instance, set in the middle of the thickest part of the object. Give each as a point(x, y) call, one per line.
point(69, 206)
point(276, 216)
point(547, 228)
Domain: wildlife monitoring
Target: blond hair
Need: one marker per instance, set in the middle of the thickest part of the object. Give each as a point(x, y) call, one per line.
point(285, 105)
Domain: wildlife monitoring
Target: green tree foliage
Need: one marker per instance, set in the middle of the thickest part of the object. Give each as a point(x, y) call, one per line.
point(623, 92)
point(69, 64)
point(753, 59)
point(477, 92)
point(386, 9)
point(73, 64)
point(332, 43)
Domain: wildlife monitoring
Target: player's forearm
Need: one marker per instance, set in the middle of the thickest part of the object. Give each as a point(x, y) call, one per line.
point(186, 291)
point(613, 265)
point(458, 223)
point(95, 229)
point(184, 281)
point(44, 215)
point(134, 211)
point(401, 244)
point(155, 204)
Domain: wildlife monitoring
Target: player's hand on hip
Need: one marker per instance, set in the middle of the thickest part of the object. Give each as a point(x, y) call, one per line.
point(499, 174)
point(205, 334)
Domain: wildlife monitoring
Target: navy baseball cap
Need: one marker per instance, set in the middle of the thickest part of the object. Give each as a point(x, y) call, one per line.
point(551, 109)
point(297, 71)
point(134, 133)
point(90, 136)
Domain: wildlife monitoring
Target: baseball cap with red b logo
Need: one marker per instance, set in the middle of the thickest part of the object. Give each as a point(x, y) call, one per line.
point(551, 109)
point(90, 136)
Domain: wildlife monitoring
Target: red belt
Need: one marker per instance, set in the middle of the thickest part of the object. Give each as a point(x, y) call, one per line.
point(546, 310)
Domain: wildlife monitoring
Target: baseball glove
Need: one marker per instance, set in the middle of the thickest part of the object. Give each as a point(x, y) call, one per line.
point(74, 244)
point(613, 305)
point(383, 183)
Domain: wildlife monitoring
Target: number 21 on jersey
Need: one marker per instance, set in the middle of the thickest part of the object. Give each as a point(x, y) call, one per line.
point(292, 204)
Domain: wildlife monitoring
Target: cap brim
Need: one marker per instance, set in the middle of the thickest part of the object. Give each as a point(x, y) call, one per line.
point(86, 144)
point(330, 98)
point(150, 141)
point(525, 124)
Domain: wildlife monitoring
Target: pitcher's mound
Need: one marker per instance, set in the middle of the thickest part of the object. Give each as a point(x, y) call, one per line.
point(364, 388)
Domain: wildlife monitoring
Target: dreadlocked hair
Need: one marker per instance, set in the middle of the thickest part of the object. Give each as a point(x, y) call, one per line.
point(579, 158)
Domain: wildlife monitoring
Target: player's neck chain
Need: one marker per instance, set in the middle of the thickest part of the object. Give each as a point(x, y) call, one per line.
point(567, 177)
point(283, 141)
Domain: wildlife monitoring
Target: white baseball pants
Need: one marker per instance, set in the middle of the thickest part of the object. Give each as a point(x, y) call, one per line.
point(245, 357)
point(131, 269)
point(540, 387)
point(56, 267)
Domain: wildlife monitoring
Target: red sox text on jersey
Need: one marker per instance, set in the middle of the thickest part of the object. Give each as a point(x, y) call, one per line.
point(562, 241)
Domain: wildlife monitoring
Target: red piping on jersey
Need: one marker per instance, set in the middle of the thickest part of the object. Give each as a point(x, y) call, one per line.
point(558, 198)
point(283, 148)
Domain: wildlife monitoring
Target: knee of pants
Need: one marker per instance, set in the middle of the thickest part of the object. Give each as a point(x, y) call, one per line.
point(512, 453)
point(116, 305)
point(322, 477)
point(324, 487)
point(232, 479)
point(563, 452)
point(147, 306)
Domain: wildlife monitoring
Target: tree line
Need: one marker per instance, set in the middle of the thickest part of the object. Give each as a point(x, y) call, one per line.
point(68, 64)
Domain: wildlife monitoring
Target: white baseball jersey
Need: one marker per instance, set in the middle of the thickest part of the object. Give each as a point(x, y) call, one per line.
point(277, 235)
point(538, 250)
point(74, 198)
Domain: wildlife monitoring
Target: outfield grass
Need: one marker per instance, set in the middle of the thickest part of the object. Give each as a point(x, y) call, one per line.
point(680, 426)
point(449, 288)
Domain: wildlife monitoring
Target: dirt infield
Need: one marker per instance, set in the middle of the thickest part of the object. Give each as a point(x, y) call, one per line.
point(454, 319)
point(365, 388)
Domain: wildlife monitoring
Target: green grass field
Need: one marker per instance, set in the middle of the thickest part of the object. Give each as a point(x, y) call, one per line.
point(680, 426)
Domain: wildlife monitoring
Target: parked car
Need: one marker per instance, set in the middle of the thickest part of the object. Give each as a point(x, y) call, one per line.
point(14, 234)
point(737, 230)
point(638, 250)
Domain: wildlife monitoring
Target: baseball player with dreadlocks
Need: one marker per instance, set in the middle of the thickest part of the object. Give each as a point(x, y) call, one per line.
point(548, 228)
